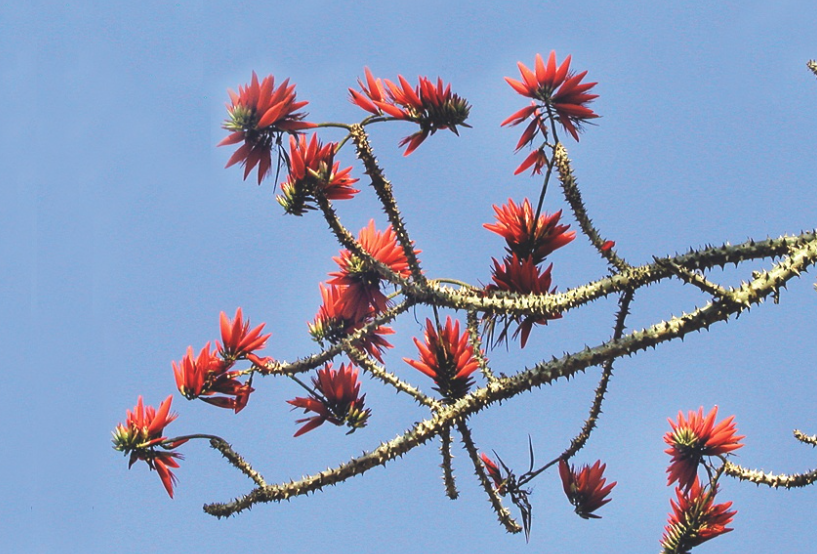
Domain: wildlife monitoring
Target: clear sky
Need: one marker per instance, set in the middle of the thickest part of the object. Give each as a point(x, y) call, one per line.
point(124, 237)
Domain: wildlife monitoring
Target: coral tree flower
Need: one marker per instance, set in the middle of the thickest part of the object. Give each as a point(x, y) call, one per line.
point(209, 373)
point(523, 276)
point(694, 437)
point(258, 115)
point(557, 93)
point(586, 489)
point(238, 341)
point(494, 473)
point(695, 519)
point(433, 107)
point(528, 238)
point(312, 169)
point(142, 434)
point(447, 357)
point(335, 399)
point(361, 295)
point(332, 325)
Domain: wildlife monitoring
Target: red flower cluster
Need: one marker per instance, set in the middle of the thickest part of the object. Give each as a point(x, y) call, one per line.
point(557, 93)
point(141, 435)
point(529, 239)
point(526, 237)
point(210, 372)
point(433, 107)
point(447, 357)
point(312, 169)
point(335, 399)
point(694, 437)
point(522, 276)
point(360, 296)
point(586, 489)
point(695, 519)
point(258, 115)
point(332, 325)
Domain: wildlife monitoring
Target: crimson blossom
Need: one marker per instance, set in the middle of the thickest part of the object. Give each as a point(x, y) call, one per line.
point(142, 434)
point(312, 168)
point(447, 357)
point(332, 325)
point(208, 374)
point(433, 107)
point(528, 238)
point(523, 276)
point(258, 116)
point(557, 93)
point(586, 489)
point(694, 437)
point(335, 399)
point(361, 295)
point(695, 519)
point(237, 338)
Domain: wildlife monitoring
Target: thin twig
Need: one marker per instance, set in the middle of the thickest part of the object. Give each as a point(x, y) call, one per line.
point(502, 513)
point(448, 472)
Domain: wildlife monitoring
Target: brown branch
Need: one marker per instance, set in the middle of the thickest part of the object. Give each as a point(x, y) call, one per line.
point(580, 440)
point(574, 198)
point(502, 513)
point(383, 189)
point(448, 472)
point(763, 285)
point(769, 479)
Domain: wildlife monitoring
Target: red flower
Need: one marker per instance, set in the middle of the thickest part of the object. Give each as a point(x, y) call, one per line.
point(695, 437)
point(335, 400)
point(557, 93)
point(237, 339)
point(695, 519)
point(259, 114)
point(528, 238)
point(361, 294)
point(447, 357)
point(313, 168)
point(537, 158)
point(209, 374)
point(330, 324)
point(522, 276)
point(433, 107)
point(142, 434)
point(586, 488)
point(494, 473)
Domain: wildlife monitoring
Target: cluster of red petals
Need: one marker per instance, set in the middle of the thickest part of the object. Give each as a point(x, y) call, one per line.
point(694, 437)
point(209, 373)
point(523, 276)
point(494, 473)
point(556, 92)
point(238, 340)
point(333, 325)
point(361, 296)
point(526, 237)
point(695, 519)
point(336, 399)
point(257, 114)
point(586, 489)
point(142, 433)
point(312, 169)
point(537, 159)
point(447, 357)
point(433, 107)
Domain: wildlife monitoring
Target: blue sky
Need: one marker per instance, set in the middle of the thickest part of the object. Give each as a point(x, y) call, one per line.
point(124, 238)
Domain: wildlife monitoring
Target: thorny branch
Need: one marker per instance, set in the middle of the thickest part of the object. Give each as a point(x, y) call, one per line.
point(435, 108)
